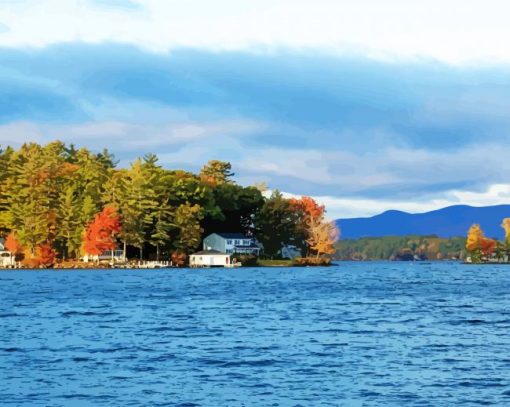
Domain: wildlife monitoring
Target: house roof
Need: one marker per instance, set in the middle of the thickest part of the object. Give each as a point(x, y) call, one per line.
point(232, 235)
point(209, 253)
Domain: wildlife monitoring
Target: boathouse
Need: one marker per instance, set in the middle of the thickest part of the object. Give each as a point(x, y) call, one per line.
point(210, 258)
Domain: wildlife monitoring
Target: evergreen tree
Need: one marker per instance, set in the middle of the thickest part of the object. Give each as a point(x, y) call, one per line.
point(216, 172)
point(187, 220)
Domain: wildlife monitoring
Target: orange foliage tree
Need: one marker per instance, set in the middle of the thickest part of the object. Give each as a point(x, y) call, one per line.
point(12, 244)
point(478, 245)
point(100, 233)
point(506, 225)
point(45, 255)
point(321, 235)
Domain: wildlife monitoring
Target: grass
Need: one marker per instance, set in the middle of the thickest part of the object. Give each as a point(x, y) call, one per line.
point(275, 263)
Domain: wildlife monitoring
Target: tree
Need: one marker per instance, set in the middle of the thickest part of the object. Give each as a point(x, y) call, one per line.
point(45, 255)
point(216, 172)
point(32, 192)
point(70, 220)
point(137, 203)
point(101, 232)
point(238, 207)
point(321, 235)
point(478, 245)
point(187, 220)
point(276, 225)
point(12, 244)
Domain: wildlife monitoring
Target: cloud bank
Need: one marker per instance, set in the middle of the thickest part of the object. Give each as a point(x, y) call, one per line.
point(454, 31)
point(368, 105)
point(363, 134)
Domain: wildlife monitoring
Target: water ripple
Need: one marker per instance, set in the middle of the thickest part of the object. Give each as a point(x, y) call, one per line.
point(357, 334)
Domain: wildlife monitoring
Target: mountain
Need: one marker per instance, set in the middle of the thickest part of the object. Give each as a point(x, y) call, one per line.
point(447, 222)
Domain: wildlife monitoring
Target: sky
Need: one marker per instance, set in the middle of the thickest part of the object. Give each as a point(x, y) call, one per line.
point(367, 105)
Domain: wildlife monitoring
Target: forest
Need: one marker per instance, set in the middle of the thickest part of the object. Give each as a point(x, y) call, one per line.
point(401, 248)
point(59, 202)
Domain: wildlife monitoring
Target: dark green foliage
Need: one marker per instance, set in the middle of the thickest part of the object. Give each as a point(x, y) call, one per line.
point(247, 260)
point(238, 208)
point(277, 225)
point(401, 248)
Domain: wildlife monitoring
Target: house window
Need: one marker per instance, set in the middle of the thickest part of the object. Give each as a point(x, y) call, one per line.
point(229, 241)
point(246, 242)
point(238, 242)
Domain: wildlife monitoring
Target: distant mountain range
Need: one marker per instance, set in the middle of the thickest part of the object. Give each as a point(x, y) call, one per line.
point(447, 222)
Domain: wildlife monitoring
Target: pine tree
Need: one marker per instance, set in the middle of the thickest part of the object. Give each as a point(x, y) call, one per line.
point(187, 220)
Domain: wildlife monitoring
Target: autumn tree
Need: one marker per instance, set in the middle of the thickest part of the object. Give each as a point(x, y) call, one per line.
point(45, 255)
point(13, 245)
point(478, 245)
point(321, 235)
point(101, 233)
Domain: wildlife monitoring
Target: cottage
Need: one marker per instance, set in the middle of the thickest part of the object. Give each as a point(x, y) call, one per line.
point(210, 258)
point(6, 257)
point(231, 243)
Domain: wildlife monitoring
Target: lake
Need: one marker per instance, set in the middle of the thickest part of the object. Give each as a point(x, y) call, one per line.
point(356, 334)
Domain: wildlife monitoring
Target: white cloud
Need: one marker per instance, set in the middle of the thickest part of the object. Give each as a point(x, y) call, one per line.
point(338, 208)
point(449, 30)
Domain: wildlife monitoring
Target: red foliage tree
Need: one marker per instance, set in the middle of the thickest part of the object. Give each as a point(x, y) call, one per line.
point(321, 235)
point(12, 244)
point(45, 255)
point(100, 233)
point(179, 259)
point(487, 246)
point(309, 208)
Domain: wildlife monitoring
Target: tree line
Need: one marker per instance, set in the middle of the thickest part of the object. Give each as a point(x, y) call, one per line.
point(411, 247)
point(60, 202)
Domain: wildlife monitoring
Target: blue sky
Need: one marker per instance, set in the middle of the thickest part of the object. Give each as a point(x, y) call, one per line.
point(409, 110)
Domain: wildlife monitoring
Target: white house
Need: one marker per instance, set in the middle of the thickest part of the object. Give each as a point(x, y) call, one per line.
point(210, 258)
point(6, 257)
point(231, 243)
point(290, 252)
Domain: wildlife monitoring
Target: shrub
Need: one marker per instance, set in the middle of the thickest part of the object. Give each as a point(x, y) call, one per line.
point(179, 259)
point(247, 260)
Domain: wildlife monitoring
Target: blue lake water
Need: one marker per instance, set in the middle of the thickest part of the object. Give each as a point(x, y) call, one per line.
point(356, 334)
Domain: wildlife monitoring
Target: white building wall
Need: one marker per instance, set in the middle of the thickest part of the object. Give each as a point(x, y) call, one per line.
point(209, 260)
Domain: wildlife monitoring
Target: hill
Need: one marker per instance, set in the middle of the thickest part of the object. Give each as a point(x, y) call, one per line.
point(447, 222)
